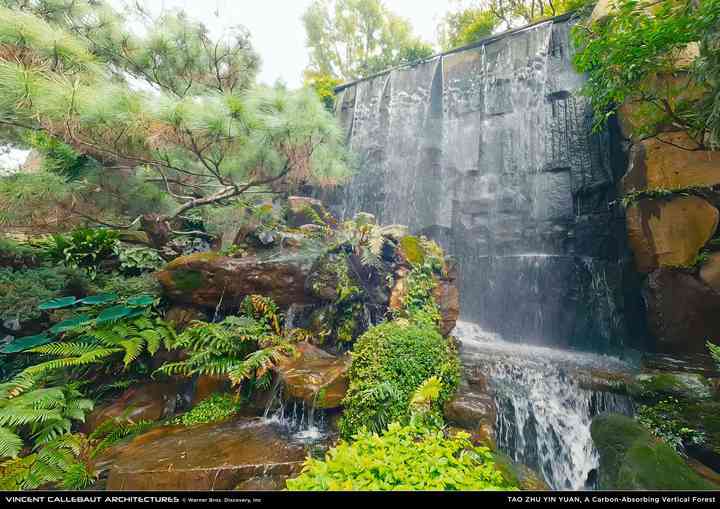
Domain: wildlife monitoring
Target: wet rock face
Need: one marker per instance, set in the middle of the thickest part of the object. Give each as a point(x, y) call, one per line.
point(315, 376)
point(475, 411)
point(683, 313)
point(631, 458)
point(216, 456)
point(664, 233)
point(207, 279)
point(148, 402)
point(710, 272)
point(447, 298)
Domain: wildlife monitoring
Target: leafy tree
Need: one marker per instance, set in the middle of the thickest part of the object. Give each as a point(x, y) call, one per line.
point(174, 106)
point(350, 39)
point(629, 55)
point(466, 26)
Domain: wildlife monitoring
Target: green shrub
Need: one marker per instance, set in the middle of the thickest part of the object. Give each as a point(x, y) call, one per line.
point(403, 458)
point(217, 407)
point(624, 53)
point(84, 247)
point(23, 290)
point(136, 260)
point(243, 349)
point(665, 420)
point(389, 362)
point(124, 287)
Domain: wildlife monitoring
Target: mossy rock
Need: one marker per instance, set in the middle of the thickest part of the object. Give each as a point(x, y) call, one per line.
point(683, 386)
point(632, 459)
point(518, 474)
point(187, 280)
point(412, 250)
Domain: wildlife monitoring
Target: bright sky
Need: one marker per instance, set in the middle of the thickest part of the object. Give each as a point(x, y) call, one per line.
point(277, 30)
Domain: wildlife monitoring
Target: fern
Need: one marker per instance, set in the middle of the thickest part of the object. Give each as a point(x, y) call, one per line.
point(239, 348)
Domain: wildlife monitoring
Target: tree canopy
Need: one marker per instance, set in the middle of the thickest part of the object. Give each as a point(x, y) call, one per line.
point(171, 104)
point(350, 39)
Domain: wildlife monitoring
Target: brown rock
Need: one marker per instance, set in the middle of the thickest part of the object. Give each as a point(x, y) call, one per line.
point(473, 410)
point(182, 316)
point(208, 279)
point(399, 290)
point(710, 272)
point(303, 210)
point(215, 456)
point(207, 385)
point(447, 298)
point(656, 164)
point(683, 313)
point(148, 402)
point(666, 233)
point(315, 376)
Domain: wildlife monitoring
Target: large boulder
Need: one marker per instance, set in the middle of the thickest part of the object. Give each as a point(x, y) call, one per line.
point(147, 402)
point(217, 456)
point(302, 210)
point(710, 272)
point(314, 376)
point(632, 459)
point(666, 233)
point(661, 163)
point(682, 312)
point(474, 410)
point(208, 279)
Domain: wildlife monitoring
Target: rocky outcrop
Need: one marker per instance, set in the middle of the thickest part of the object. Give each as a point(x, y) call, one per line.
point(147, 402)
point(682, 312)
point(660, 163)
point(207, 280)
point(710, 272)
point(217, 456)
point(473, 410)
point(314, 376)
point(665, 233)
point(447, 298)
point(632, 459)
point(302, 210)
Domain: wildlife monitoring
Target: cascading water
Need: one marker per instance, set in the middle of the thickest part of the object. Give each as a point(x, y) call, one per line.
point(490, 150)
point(544, 415)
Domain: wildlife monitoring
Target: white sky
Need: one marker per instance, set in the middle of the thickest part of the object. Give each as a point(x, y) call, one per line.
point(277, 31)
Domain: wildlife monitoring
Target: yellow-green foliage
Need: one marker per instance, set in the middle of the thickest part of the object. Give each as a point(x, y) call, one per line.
point(389, 362)
point(403, 458)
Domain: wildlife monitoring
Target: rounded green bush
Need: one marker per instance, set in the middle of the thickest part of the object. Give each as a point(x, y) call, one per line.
point(389, 362)
point(403, 458)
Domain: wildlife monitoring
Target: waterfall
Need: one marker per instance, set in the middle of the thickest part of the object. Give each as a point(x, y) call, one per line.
point(543, 418)
point(490, 151)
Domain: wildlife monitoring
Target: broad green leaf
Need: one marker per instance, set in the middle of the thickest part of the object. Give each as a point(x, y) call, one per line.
point(70, 324)
point(141, 300)
point(100, 298)
point(113, 314)
point(21, 344)
point(62, 302)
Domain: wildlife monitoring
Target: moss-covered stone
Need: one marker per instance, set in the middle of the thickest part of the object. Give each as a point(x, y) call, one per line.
point(684, 386)
point(632, 459)
point(412, 250)
point(187, 280)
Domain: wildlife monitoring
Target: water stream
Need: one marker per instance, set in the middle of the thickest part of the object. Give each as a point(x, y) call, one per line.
point(544, 415)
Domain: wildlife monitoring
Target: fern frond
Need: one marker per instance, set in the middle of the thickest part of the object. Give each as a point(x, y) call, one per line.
point(10, 443)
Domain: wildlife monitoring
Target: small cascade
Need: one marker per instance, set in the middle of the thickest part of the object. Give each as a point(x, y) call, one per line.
point(544, 415)
point(299, 418)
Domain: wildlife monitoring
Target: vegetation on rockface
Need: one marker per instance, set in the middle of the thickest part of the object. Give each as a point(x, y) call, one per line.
point(632, 57)
point(389, 362)
point(415, 456)
point(665, 420)
point(204, 135)
point(217, 407)
point(631, 458)
point(402, 458)
point(242, 348)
